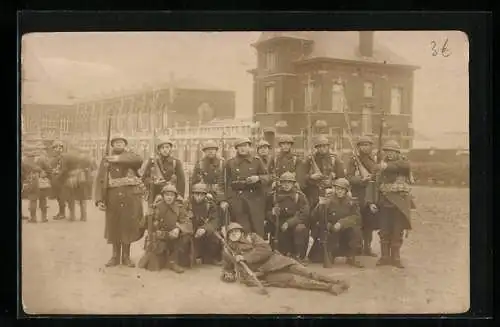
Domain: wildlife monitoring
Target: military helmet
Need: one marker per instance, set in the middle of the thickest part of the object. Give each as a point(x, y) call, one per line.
point(169, 188)
point(321, 140)
point(57, 143)
point(164, 140)
point(241, 141)
point(200, 188)
point(364, 139)
point(285, 139)
point(343, 183)
point(210, 145)
point(118, 137)
point(391, 146)
point(287, 177)
point(233, 226)
point(263, 143)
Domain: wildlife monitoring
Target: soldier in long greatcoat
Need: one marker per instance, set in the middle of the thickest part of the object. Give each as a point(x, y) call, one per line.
point(395, 203)
point(117, 192)
point(163, 169)
point(362, 179)
point(246, 177)
point(272, 268)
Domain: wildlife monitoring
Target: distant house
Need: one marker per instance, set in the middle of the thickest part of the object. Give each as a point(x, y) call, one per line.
point(327, 74)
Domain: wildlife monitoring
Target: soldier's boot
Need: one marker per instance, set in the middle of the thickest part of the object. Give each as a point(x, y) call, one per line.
point(385, 258)
point(115, 259)
point(72, 214)
point(83, 210)
point(329, 280)
point(62, 211)
point(352, 261)
point(44, 214)
point(126, 256)
point(32, 212)
point(173, 260)
point(311, 284)
point(395, 257)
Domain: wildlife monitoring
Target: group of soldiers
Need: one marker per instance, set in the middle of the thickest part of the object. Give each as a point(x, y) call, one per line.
point(255, 214)
point(53, 173)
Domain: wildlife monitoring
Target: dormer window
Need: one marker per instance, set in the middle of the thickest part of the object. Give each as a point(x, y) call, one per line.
point(269, 60)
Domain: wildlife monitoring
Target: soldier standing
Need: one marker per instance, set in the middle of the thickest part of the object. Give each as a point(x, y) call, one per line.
point(210, 171)
point(78, 186)
point(289, 213)
point(320, 170)
point(169, 233)
point(36, 183)
point(263, 152)
point(205, 223)
point(164, 169)
point(271, 267)
point(246, 177)
point(394, 204)
point(116, 192)
point(360, 173)
point(343, 224)
point(286, 160)
point(59, 175)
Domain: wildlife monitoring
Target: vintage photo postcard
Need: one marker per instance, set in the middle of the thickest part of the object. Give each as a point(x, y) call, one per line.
point(298, 172)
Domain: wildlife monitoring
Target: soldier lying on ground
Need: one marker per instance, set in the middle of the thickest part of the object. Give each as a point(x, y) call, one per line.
point(343, 224)
point(272, 268)
point(169, 233)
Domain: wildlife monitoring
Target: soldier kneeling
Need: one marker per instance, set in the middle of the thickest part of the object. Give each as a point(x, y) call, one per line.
point(341, 226)
point(289, 213)
point(205, 222)
point(169, 233)
point(272, 268)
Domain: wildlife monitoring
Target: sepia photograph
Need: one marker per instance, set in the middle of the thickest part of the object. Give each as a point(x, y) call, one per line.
point(251, 172)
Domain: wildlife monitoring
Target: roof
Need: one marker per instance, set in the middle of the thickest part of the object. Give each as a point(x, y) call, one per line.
point(339, 45)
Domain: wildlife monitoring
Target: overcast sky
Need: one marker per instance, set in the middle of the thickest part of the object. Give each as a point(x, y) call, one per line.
point(126, 60)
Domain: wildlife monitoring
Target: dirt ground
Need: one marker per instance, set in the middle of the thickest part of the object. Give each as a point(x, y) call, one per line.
point(63, 273)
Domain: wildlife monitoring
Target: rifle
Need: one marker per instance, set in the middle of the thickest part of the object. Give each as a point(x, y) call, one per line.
point(359, 166)
point(224, 173)
point(327, 263)
point(150, 195)
point(276, 232)
point(372, 194)
point(262, 290)
point(107, 152)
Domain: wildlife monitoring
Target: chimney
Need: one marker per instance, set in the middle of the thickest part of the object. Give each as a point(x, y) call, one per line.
point(366, 43)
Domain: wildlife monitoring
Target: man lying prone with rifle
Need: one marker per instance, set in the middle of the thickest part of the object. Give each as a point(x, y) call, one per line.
point(250, 259)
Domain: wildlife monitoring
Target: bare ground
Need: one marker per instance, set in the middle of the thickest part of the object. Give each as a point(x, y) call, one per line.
point(63, 273)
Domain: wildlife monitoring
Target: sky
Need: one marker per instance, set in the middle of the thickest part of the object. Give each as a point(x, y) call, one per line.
point(83, 64)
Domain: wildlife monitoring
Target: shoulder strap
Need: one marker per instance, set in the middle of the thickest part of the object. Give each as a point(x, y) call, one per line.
point(174, 163)
point(296, 197)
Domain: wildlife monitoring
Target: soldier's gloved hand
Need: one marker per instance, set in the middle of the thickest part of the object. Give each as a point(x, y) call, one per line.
point(274, 185)
point(383, 165)
point(209, 197)
point(174, 233)
point(150, 211)
point(160, 234)
point(367, 178)
point(113, 158)
point(101, 205)
point(228, 276)
point(239, 258)
point(373, 208)
point(224, 205)
point(329, 192)
point(329, 227)
point(253, 179)
point(284, 227)
point(316, 176)
point(323, 200)
point(200, 232)
point(275, 211)
point(337, 227)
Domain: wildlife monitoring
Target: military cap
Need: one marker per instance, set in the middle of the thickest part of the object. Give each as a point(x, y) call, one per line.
point(343, 183)
point(164, 140)
point(364, 139)
point(209, 145)
point(200, 188)
point(241, 141)
point(169, 188)
point(321, 140)
point(391, 146)
point(263, 143)
point(118, 137)
point(285, 139)
point(233, 226)
point(287, 177)
point(57, 143)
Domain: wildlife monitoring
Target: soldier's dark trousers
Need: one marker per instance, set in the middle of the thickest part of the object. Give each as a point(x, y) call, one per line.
point(42, 204)
point(179, 251)
point(83, 209)
point(248, 209)
point(208, 249)
point(71, 207)
point(369, 224)
point(345, 243)
point(293, 241)
point(391, 233)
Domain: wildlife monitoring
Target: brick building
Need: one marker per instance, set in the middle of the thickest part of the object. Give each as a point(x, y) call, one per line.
point(303, 78)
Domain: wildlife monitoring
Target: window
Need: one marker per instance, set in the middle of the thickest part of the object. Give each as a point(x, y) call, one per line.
point(368, 89)
point(269, 98)
point(396, 100)
point(366, 120)
point(339, 101)
point(269, 60)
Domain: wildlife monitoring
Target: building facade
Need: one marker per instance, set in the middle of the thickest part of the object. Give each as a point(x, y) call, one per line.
point(332, 83)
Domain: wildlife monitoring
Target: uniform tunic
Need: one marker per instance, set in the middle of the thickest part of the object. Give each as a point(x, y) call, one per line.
point(32, 171)
point(61, 166)
point(210, 171)
point(124, 212)
point(286, 162)
point(79, 180)
point(267, 161)
point(247, 201)
point(165, 169)
point(206, 216)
